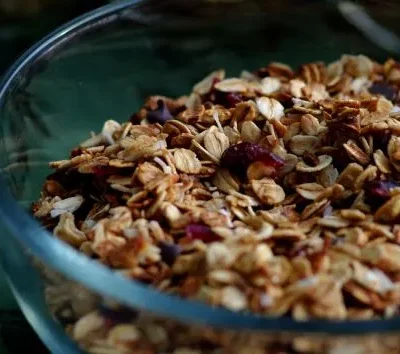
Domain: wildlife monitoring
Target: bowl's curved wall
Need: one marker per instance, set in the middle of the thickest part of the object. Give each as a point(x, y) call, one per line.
point(103, 66)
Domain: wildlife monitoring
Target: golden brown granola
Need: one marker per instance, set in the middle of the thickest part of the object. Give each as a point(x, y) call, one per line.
point(276, 192)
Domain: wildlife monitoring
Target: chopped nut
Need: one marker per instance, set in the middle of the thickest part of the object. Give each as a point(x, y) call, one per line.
point(45, 207)
point(68, 232)
point(356, 154)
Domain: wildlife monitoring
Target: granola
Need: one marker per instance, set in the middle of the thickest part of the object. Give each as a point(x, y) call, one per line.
point(276, 192)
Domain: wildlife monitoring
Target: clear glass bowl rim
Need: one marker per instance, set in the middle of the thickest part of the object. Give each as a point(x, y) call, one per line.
point(99, 278)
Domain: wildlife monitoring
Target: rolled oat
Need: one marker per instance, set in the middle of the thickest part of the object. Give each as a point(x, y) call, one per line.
point(276, 192)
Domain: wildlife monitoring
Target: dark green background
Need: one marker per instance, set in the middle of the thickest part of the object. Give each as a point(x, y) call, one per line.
point(17, 33)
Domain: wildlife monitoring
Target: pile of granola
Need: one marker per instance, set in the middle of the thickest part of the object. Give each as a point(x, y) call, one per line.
point(277, 192)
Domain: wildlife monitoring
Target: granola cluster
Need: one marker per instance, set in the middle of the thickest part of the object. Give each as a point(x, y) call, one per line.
point(276, 192)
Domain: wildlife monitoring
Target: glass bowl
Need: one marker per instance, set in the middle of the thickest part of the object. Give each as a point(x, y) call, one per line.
point(103, 65)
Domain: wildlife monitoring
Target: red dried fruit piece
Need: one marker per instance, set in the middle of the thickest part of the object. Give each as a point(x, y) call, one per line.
point(227, 99)
point(238, 157)
point(101, 171)
point(233, 99)
point(201, 232)
point(159, 115)
point(380, 189)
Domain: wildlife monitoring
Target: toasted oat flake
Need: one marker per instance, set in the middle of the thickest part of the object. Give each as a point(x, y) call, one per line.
point(186, 161)
point(270, 85)
point(270, 108)
point(276, 192)
point(233, 299)
point(232, 85)
point(323, 162)
point(268, 191)
point(216, 143)
point(309, 190)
